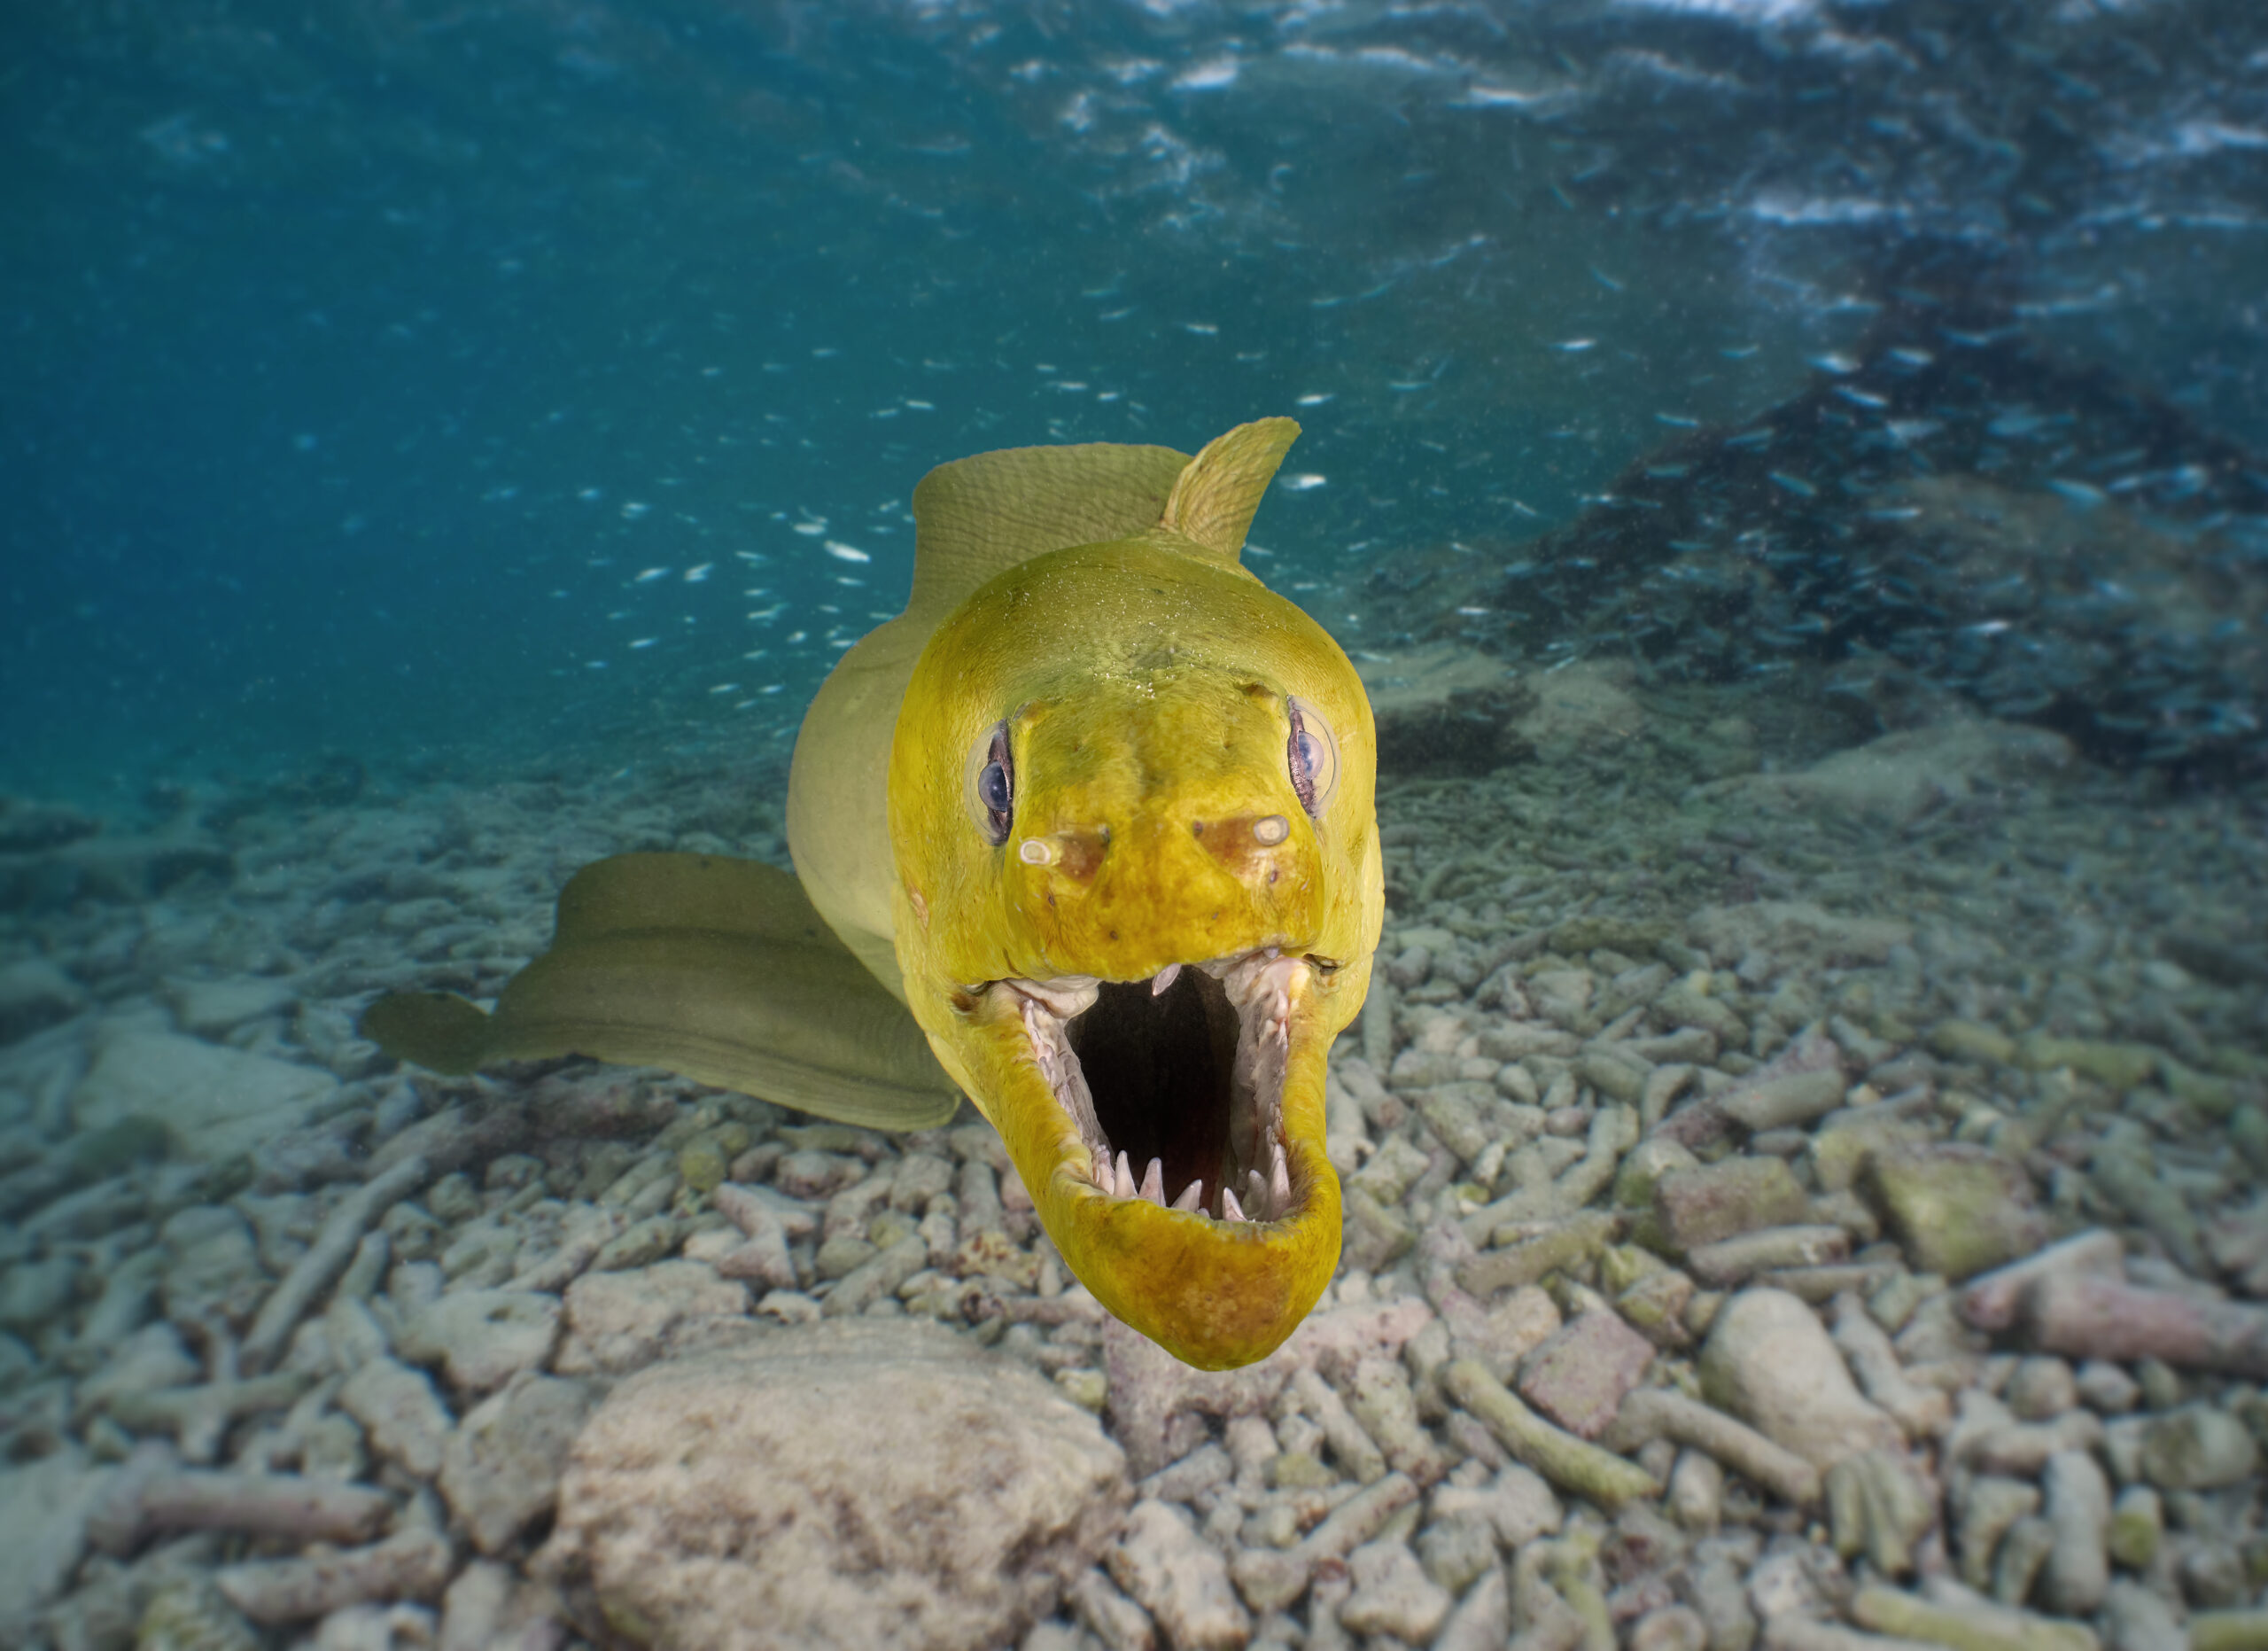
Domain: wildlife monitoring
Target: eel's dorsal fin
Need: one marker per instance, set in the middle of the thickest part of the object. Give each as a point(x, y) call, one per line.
point(1217, 493)
point(717, 969)
point(979, 515)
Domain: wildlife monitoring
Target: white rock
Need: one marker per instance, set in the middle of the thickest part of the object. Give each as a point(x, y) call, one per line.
point(499, 1469)
point(2141, 1621)
point(152, 1358)
point(216, 1101)
point(473, 1610)
point(43, 1511)
point(211, 1266)
point(1517, 1503)
point(866, 1483)
point(398, 1409)
point(1393, 1594)
point(1170, 1571)
point(1110, 1617)
point(2078, 1572)
point(484, 1338)
point(1483, 1618)
point(375, 1628)
point(207, 1009)
point(1770, 1361)
point(618, 1322)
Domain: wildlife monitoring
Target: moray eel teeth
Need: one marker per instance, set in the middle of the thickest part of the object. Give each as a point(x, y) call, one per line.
point(1232, 1137)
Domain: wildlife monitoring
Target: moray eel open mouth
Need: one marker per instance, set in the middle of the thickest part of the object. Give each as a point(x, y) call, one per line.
point(1174, 1084)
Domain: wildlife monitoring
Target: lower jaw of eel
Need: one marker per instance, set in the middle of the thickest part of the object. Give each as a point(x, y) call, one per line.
point(1220, 1270)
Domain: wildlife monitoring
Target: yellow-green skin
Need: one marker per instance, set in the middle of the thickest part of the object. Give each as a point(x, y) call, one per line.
point(1145, 682)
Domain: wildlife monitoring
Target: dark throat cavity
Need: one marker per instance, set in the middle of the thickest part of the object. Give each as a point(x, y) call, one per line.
point(1160, 1069)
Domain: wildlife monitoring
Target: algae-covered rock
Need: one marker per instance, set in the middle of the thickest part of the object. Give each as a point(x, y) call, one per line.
point(1632, 936)
point(1973, 1040)
point(1376, 1234)
point(1795, 933)
point(1959, 1211)
point(2249, 1135)
point(1643, 1166)
point(2136, 1527)
point(2118, 1065)
point(1877, 1505)
point(1715, 1201)
point(2213, 1097)
point(701, 1163)
point(1841, 1152)
point(188, 1614)
point(1688, 1003)
point(2198, 1448)
point(1656, 1307)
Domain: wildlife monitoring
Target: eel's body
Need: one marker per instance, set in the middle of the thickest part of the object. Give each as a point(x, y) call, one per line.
point(1097, 808)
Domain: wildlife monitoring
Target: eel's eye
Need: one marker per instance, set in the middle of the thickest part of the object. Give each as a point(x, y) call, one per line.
point(992, 784)
point(1312, 756)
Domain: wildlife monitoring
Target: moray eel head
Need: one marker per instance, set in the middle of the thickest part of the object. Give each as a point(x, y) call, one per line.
point(1138, 885)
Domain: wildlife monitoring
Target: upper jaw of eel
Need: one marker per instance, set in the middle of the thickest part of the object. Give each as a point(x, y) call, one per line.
point(1171, 1089)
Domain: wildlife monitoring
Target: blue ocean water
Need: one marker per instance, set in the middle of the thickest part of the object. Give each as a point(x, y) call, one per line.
point(494, 381)
point(1793, 476)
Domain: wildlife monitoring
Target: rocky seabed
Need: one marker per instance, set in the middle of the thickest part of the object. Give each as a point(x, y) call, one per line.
point(1771, 1221)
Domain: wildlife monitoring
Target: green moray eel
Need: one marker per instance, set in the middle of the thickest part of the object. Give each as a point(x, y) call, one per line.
point(1097, 809)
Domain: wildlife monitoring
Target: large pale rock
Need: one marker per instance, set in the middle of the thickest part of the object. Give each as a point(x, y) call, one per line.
point(866, 1484)
point(1770, 1361)
point(216, 1103)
